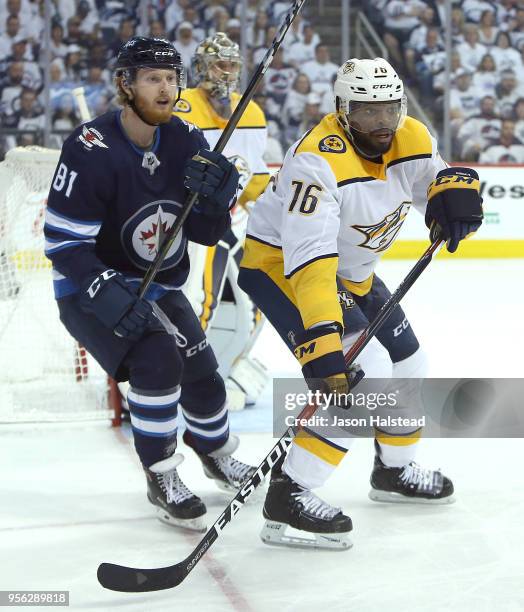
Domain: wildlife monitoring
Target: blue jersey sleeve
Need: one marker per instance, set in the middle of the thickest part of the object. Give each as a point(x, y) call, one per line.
point(76, 209)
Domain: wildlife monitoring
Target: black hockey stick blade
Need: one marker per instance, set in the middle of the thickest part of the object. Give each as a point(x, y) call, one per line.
point(133, 580)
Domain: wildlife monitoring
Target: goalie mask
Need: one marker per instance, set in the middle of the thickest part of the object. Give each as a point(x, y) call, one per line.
point(216, 66)
point(370, 104)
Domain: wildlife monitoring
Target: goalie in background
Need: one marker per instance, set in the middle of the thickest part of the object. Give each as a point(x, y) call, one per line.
point(313, 242)
point(230, 319)
point(117, 190)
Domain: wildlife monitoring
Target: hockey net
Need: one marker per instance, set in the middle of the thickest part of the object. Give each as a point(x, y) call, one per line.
point(45, 375)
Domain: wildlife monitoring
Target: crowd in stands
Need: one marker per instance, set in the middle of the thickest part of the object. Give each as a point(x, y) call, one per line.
point(487, 100)
point(487, 69)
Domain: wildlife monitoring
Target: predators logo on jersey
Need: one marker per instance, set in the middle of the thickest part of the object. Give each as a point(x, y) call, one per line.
point(380, 235)
point(182, 106)
point(332, 144)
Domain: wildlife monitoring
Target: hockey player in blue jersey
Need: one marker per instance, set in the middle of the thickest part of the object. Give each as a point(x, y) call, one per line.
point(118, 188)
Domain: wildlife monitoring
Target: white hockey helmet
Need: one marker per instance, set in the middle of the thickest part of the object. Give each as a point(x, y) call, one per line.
point(363, 88)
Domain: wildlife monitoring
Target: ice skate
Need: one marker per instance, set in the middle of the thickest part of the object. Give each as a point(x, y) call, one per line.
point(176, 504)
point(227, 472)
point(290, 507)
point(409, 484)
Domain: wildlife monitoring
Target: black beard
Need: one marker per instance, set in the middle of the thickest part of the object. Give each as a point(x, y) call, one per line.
point(368, 148)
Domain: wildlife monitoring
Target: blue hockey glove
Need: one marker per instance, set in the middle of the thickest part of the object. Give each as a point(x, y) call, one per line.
point(319, 351)
point(215, 179)
point(454, 206)
point(116, 305)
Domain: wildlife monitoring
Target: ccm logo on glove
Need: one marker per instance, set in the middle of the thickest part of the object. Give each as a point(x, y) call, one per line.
point(97, 283)
point(454, 206)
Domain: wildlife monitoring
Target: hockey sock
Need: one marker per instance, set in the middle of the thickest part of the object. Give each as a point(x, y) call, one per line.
point(311, 460)
point(154, 422)
point(397, 450)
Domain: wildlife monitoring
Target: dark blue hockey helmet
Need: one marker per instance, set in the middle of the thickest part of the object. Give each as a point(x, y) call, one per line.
point(144, 52)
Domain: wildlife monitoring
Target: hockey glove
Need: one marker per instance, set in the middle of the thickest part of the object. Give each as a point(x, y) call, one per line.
point(114, 303)
point(454, 206)
point(215, 179)
point(319, 351)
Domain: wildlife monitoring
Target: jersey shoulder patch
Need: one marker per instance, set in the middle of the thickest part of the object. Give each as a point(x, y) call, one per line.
point(332, 144)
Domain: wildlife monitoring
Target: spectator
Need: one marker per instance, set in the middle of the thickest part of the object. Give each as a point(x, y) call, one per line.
point(185, 44)
point(294, 107)
point(61, 89)
point(74, 33)
point(508, 92)
point(474, 9)
point(89, 22)
point(274, 153)
point(303, 50)
point(157, 28)
point(191, 15)
point(430, 60)
point(233, 30)
point(279, 78)
point(417, 38)
point(401, 17)
point(256, 33)
point(58, 46)
point(259, 52)
point(174, 14)
point(457, 26)
point(11, 88)
point(252, 9)
point(479, 130)
point(504, 55)
point(125, 32)
point(486, 77)
point(487, 30)
point(219, 21)
point(75, 64)
point(96, 90)
point(320, 71)
point(518, 116)
point(508, 149)
point(506, 13)
point(471, 51)
point(517, 29)
point(311, 115)
point(29, 115)
point(464, 99)
point(439, 80)
point(32, 72)
point(12, 33)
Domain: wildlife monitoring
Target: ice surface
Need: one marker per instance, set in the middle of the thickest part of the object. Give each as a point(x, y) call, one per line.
point(73, 496)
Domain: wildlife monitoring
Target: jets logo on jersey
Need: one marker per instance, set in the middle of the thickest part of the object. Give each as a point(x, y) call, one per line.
point(91, 138)
point(332, 144)
point(143, 234)
point(183, 106)
point(380, 235)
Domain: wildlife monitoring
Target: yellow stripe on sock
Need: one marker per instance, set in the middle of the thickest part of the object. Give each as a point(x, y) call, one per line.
point(320, 448)
point(400, 440)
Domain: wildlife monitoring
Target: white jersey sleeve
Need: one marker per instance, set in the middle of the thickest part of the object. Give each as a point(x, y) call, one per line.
point(307, 189)
point(428, 171)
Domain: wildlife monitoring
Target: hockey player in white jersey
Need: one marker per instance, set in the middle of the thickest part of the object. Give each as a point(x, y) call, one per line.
point(227, 315)
point(313, 241)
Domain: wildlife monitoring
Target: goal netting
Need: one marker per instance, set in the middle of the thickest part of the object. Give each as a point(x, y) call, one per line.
point(44, 374)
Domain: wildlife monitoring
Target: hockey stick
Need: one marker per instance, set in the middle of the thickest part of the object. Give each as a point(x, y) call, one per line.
point(79, 94)
point(222, 141)
point(131, 580)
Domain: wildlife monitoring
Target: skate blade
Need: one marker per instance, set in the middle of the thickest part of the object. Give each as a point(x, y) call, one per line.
point(274, 534)
point(194, 524)
point(398, 498)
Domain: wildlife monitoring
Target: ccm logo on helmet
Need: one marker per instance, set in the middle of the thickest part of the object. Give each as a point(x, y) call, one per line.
point(383, 86)
point(164, 53)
